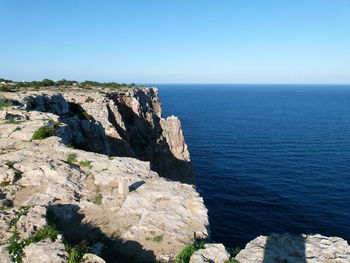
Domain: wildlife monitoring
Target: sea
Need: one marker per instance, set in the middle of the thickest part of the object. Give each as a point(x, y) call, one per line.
point(267, 158)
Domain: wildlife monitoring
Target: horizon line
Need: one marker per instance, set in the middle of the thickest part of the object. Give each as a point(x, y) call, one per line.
point(169, 83)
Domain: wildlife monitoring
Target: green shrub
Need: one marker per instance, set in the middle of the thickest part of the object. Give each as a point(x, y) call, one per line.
point(4, 103)
point(15, 247)
point(72, 158)
point(186, 253)
point(98, 197)
point(12, 121)
point(76, 253)
point(43, 132)
point(23, 210)
point(10, 164)
point(86, 116)
point(234, 251)
point(5, 88)
point(86, 164)
point(157, 239)
point(46, 232)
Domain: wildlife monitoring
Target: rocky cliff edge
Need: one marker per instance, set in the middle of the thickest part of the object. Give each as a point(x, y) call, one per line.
point(106, 170)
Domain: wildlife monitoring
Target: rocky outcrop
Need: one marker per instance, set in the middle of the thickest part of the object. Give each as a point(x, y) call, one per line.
point(286, 248)
point(125, 124)
point(98, 183)
point(92, 258)
point(45, 251)
point(119, 205)
point(210, 253)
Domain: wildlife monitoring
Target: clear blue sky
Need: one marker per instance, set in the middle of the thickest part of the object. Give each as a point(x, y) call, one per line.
point(176, 41)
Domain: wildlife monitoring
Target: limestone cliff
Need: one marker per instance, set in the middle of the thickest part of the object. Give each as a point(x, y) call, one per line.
point(120, 124)
point(97, 179)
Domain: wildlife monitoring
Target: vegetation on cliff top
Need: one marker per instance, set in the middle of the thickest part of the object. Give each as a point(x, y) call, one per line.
point(12, 86)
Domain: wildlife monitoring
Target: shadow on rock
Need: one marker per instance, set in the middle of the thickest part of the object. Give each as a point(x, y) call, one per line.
point(284, 249)
point(142, 137)
point(70, 221)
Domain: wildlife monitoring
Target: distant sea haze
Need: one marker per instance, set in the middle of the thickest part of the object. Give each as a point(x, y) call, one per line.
point(268, 158)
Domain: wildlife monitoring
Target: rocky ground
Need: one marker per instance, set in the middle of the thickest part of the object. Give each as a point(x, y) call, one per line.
point(286, 248)
point(119, 204)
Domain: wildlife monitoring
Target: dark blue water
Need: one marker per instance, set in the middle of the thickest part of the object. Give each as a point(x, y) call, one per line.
point(268, 158)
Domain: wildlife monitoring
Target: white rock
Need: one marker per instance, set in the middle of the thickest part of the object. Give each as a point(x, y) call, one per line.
point(299, 249)
point(91, 258)
point(4, 255)
point(45, 252)
point(35, 219)
point(212, 253)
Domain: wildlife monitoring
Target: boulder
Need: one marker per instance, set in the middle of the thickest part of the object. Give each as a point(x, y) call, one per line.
point(44, 252)
point(287, 248)
point(211, 253)
point(92, 258)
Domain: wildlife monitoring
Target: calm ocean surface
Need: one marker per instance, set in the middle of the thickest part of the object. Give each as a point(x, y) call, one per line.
point(268, 158)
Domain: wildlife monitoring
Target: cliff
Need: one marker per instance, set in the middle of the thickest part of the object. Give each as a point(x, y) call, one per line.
point(99, 176)
point(104, 169)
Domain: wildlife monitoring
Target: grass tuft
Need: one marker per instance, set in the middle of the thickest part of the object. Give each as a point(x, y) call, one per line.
point(186, 253)
point(86, 164)
point(72, 158)
point(43, 132)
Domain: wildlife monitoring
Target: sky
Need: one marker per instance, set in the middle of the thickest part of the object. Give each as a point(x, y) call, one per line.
point(176, 41)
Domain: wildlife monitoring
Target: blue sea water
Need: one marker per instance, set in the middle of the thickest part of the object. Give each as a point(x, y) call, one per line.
point(268, 158)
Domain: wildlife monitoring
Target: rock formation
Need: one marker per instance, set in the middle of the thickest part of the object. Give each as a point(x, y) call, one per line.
point(286, 248)
point(100, 176)
point(211, 253)
point(125, 124)
point(97, 178)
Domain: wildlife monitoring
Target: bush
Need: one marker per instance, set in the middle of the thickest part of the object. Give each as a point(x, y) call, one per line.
point(76, 253)
point(5, 88)
point(86, 164)
point(72, 158)
point(186, 253)
point(86, 116)
point(64, 82)
point(43, 132)
point(7, 102)
point(157, 239)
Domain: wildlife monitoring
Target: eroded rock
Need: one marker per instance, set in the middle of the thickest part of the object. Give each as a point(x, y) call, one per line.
point(278, 248)
point(91, 258)
point(212, 253)
point(44, 252)
point(145, 218)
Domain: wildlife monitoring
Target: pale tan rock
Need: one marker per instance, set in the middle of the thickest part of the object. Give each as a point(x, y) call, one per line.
point(28, 224)
point(123, 187)
point(159, 215)
point(44, 252)
point(174, 136)
point(211, 253)
point(125, 123)
point(299, 249)
point(92, 258)
point(4, 255)
point(6, 217)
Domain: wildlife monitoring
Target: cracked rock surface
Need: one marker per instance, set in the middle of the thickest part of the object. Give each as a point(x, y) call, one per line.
point(120, 203)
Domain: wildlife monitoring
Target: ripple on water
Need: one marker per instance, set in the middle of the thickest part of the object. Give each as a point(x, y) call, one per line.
point(268, 159)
